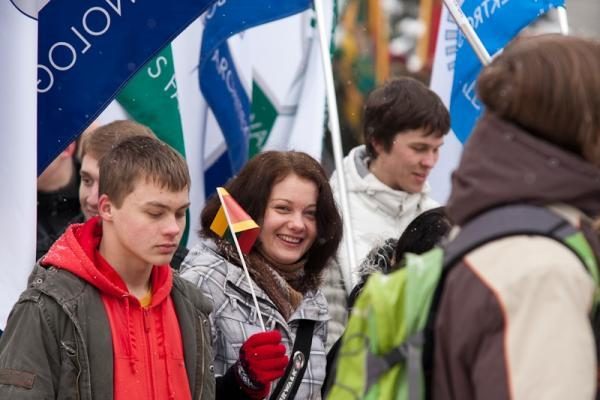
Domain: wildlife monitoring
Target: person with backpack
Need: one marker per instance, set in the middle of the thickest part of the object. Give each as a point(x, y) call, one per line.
point(507, 308)
point(420, 236)
point(513, 319)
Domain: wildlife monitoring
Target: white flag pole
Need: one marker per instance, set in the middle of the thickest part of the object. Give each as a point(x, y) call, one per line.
point(468, 31)
point(237, 246)
point(563, 22)
point(334, 125)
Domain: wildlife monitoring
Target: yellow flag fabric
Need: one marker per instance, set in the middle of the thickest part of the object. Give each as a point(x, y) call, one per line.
point(242, 224)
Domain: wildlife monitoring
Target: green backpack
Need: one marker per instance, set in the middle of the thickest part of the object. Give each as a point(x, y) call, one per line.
point(381, 356)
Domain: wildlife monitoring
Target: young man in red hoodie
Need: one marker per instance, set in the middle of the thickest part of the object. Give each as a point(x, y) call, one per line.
point(104, 316)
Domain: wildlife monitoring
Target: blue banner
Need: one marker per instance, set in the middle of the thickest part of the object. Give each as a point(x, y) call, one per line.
point(220, 82)
point(496, 22)
point(87, 50)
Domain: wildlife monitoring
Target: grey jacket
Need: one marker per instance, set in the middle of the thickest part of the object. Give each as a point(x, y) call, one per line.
point(58, 345)
point(235, 318)
point(337, 301)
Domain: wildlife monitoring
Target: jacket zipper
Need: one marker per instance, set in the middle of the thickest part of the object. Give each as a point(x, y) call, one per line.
point(150, 367)
point(74, 352)
point(78, 370)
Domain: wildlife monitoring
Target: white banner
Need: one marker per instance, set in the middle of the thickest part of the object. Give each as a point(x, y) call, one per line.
point(18, 165)
point(441, 83)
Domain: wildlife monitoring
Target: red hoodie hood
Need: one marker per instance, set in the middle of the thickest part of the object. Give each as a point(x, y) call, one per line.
point(76, 251)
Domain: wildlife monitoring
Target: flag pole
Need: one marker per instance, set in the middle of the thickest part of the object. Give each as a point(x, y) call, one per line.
point(237, 246)
point(563, 21)
point(468, 31)
point(334, 125)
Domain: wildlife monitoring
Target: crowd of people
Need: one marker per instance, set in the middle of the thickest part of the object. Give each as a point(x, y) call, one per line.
point(116, 307)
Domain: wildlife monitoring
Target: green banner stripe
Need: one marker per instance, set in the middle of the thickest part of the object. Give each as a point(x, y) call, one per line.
point(150, 97)
point(263, 114)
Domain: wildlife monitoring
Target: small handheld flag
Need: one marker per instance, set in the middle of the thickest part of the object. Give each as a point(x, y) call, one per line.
point(242, 225)
point(231, 216)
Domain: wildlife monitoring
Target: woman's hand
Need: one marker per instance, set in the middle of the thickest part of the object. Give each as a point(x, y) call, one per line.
point(262, 360)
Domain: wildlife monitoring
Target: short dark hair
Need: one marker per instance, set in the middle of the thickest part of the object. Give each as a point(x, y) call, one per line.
point(423, 233)
point(99, 141)
point(252, 189)
point(141, 157)
point(549, 85)
point(400, 105)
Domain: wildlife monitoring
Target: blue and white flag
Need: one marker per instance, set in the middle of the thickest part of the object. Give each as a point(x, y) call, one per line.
point(88, 50)
point(220, 82)
point(496, 23)
point(18, 43)
point(456, 68)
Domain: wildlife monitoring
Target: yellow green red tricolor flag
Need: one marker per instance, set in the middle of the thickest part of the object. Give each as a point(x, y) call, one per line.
point(242, 225)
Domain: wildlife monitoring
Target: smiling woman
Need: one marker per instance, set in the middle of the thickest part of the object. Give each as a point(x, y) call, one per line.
point(288, 195)
point(289, 226)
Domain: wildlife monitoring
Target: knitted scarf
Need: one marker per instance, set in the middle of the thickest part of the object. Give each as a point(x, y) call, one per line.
point(285, 284)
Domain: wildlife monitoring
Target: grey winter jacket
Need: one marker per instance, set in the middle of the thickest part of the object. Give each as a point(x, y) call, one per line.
point(337, 301)
point(235, 318)
point(58, 343)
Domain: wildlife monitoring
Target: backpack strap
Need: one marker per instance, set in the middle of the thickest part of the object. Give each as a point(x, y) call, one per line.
point(509, 220)
point(494, 224)
point(288, 384)
point(408, 352)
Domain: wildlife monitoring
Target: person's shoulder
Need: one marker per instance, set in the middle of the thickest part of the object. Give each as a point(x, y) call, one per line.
point(78, 219)
point(202, 255)
point(202, 261)
point(427, 202)
point(515, 265)
point(54, 282)
point(356, 156)
point(191, 292)
point(314, 307)
point(53, 291)
point(317, 296)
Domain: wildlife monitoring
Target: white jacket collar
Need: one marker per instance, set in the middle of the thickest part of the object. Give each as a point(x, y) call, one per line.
point(361, 180)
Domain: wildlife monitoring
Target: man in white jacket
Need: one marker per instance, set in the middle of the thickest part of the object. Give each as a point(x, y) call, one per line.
point(403, 129)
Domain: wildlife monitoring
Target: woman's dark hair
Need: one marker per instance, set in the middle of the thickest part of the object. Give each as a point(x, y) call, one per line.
point(549, 85)
point(420, 236)
point(423, 233)
point(251, 188)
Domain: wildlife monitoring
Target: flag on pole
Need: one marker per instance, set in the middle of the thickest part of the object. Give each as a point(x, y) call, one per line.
point(456, 68)
point(18, 47)
point(221, 84)
point(288, 84)
point(87, 52)
point(239, 222)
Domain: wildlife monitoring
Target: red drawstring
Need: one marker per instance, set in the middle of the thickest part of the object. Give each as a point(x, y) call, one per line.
point(131, 345)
